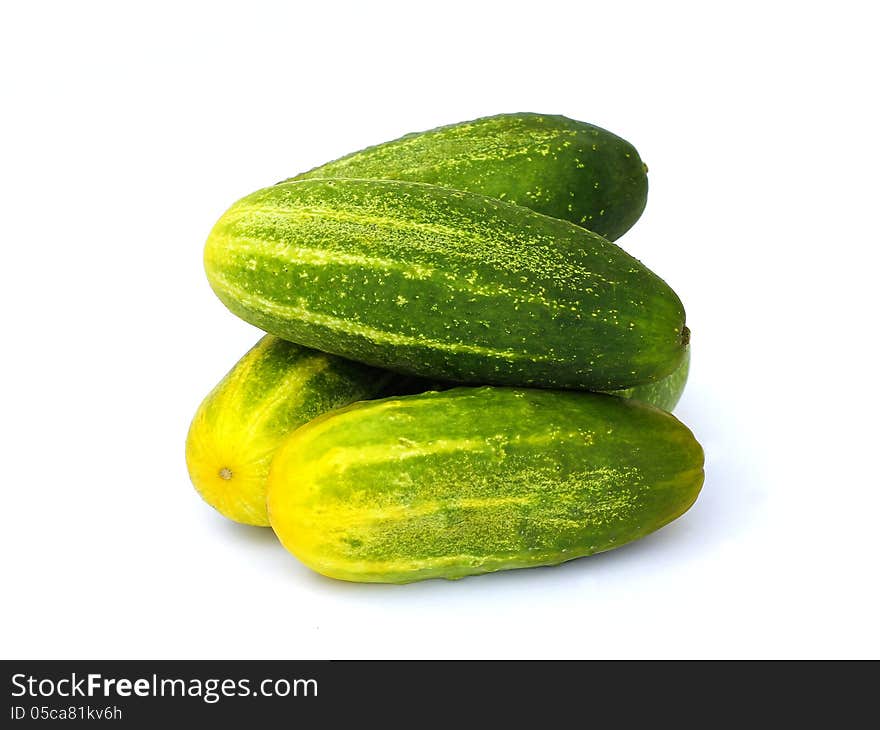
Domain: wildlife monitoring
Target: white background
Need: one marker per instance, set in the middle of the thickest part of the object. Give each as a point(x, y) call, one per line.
point(127, 129)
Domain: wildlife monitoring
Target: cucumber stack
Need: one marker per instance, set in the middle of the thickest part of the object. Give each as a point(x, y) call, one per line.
point(462, 373)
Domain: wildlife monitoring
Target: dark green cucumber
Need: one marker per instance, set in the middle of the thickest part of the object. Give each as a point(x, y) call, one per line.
point(473, 480)
point(551, 164)
point(444, 284)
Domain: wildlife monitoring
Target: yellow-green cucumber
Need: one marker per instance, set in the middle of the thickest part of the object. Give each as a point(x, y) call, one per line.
point(474, 480)
point(552, 164)
point(275, 388)
point(444, 284)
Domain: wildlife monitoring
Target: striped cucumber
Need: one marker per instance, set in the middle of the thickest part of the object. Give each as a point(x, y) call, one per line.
point(474, 480)
point(444, 284)
point(275, 388)
point(551, 164)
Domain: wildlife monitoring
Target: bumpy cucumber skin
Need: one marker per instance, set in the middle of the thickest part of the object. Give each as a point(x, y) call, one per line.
point(474, 480)
point(275, 388)
point(444, 284)
point(664, 393)
point(554, 165)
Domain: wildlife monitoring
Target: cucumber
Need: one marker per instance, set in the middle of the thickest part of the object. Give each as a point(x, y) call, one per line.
point(444, 284)
point(275, 388)
point(551, 164)
point(474, 480)
point(664, 393)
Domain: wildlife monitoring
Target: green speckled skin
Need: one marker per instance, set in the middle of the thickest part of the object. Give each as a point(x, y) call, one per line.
point(473, 480)
point(664, 393)
point(554, 165)
point(275, 388)
point(444, 284)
